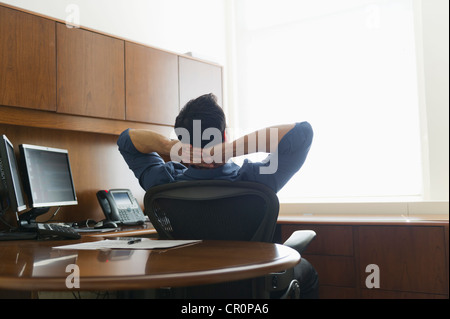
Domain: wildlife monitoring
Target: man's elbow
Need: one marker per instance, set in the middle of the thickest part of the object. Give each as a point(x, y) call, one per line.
point(308, 134)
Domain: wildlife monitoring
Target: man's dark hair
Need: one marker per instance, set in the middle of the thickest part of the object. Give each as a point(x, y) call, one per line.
point(206, 112)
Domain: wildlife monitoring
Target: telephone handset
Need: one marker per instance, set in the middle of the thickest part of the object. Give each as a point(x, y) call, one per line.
point(119, 205)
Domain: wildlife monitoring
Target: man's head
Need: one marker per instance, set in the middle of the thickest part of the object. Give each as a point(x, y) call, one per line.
point(199, 115)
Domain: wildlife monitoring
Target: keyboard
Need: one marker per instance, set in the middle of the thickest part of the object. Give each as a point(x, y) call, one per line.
point(58, 231)
point(17, 235)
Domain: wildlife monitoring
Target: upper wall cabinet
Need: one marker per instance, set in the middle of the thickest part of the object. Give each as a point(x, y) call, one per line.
point(27, 60)
point(46, 65)
point(198, 78)
point(90, 74)
point(151, 85)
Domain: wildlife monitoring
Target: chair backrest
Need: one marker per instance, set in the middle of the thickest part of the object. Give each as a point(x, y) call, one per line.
point(215, 210)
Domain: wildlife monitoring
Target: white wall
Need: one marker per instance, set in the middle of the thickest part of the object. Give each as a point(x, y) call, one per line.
point(433, 49)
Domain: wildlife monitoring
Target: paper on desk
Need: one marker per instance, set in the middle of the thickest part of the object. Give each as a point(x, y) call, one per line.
point(123, 244)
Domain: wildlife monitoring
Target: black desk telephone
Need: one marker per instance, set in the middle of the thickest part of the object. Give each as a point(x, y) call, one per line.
point(120, 206)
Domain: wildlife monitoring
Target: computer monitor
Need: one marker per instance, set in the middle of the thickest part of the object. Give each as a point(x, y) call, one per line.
point(47, 178)
point(11, 194)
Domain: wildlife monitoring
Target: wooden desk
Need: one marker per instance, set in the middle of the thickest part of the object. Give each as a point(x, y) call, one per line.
point(146, 230)
point(35, 266)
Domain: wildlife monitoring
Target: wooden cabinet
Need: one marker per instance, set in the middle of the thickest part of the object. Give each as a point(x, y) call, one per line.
point(412, 259)
point(198, 78)
point(91, 76)
point(151, 85)
point(27, 60)
point(88, 79)
point(332, 254)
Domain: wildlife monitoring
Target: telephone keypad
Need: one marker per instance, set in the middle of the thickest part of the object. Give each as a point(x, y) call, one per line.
point(130, 214)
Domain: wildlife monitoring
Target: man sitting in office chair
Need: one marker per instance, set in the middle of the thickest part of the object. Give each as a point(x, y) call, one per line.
point(201, 118)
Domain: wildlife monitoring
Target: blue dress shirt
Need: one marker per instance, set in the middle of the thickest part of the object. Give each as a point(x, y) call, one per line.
point(151, 170)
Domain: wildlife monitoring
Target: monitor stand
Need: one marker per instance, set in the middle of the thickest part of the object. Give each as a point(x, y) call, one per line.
point(27, 220)
point(27, 229)
point(20, 233)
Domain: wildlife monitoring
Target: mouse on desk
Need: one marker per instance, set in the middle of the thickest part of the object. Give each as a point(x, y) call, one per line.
point(106, 224)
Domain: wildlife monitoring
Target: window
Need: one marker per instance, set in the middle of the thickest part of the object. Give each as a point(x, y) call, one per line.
point(349, 68)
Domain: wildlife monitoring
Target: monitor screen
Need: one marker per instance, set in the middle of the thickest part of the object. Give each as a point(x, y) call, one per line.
point(47, 176)
point(122, 199)
point(10, 179)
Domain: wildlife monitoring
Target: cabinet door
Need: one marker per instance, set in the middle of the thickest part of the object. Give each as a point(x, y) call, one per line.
point(151, 85)
point(198, 78)
point(332, 255)
point(90, 74)
point(410, 258)
point(27, 60)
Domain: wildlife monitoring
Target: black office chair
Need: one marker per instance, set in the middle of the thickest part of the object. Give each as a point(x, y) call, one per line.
point(224, 210)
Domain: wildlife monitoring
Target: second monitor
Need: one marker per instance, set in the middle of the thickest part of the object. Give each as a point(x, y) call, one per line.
point(47, 178)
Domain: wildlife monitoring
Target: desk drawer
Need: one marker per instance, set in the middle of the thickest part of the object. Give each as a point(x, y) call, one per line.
point(410, 258)
point(334, 270)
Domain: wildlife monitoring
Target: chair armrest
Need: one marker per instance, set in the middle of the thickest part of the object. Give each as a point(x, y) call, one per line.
point(300, 239)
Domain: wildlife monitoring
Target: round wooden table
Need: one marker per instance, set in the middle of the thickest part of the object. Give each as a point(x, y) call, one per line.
point(37, 266)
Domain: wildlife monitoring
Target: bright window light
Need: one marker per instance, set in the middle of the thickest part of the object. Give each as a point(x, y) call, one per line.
point(349, 68)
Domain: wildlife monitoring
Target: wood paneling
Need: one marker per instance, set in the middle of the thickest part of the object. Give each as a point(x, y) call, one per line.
point(91, 76)
point(410, 258)
point(198, 78)
point(446, 241)
point(332, 255)
point(387, 294)
point(334, 270)
point(27, 60)
point(330, 240)
point(151, 85)
point(58, 121)
point(332, 292)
